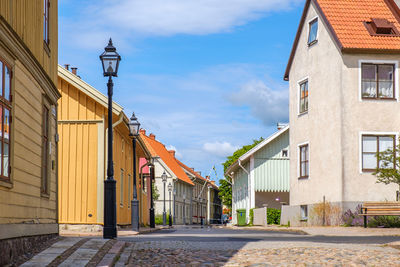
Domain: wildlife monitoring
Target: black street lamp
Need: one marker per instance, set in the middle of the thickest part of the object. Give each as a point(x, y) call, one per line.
point(164, 214)
point(170, 215)
point(134, 132)
point(151, 210)
point(110, 60)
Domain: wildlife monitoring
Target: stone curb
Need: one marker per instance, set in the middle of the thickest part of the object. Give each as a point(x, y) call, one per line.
point(283, 230)
point(111, 256)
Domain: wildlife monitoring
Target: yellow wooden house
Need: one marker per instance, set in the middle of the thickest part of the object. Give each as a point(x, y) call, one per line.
point(28, 119)
point(82, 127)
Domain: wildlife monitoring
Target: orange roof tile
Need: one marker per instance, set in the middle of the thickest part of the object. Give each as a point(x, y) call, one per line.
point(196, 174)
point(158, 149)
point(345, 21)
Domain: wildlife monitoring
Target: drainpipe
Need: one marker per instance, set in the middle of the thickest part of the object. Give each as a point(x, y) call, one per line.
point(121, 118)
point(248, 191)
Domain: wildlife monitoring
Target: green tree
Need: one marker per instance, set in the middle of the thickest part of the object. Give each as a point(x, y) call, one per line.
point(156, 195)
point(225, 187)
point(388, 170)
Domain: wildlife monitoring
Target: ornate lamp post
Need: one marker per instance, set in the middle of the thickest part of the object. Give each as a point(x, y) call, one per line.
point(164, 214)
point(170, 216)
point(134, 126)
point(110, 60)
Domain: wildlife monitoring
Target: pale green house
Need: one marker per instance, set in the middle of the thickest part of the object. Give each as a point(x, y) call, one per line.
point(261, 176)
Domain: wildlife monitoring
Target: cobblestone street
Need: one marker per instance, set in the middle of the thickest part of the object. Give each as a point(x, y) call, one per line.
point(225, 247)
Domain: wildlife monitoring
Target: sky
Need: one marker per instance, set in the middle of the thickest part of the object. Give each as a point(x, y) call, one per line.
point(205, 76)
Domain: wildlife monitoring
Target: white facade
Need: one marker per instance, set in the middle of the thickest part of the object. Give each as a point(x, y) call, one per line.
point(336, 119)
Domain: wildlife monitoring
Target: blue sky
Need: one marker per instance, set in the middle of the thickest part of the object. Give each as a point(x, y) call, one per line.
point(205, 76)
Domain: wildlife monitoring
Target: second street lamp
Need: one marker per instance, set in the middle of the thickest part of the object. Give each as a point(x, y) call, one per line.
point(170, 216)
point(164, 215)
point(133, 133)
point(110, 60)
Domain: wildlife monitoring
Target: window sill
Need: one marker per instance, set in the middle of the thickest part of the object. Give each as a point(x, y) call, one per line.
point(304, 220)
point(312, 43)
point(302, 113)
point(45, 195)
point(6, 183)
point(303, 178)
point(377, 99)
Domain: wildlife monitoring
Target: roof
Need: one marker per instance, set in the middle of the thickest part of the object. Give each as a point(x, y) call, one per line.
point(158, 149)
point(259, 146)
point(87, 89)
point(196, 174)
point(345, 22)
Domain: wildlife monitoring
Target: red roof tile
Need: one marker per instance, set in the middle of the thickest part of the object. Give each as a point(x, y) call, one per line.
point(158, 149)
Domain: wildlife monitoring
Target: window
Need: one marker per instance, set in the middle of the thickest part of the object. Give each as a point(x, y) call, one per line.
point(285, 153)
point(313, 32)
point(304, 97)
point(377, 81)
point(46, 151)
point(381, 27)
point(46, 8)
point(121, 194)
point(129, 190)
point(5, 117)
point(304, 212)
point(304, 161)
point(373, 144)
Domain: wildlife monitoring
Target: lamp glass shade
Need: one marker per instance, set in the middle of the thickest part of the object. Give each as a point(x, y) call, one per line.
point(110, 60)
point(164, 177)
point(169, 187)
point(134, 126)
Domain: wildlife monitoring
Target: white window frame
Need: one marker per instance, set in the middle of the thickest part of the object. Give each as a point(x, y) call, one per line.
point(308, 31)
point(371, 61)
point(299, 94)
point(360, 135)
point(304, 218)
point(298, 160)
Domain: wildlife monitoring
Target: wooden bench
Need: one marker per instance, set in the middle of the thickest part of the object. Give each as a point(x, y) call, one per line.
point(379, 209)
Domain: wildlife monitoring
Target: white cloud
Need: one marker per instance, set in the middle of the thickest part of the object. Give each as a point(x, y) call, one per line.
point(221, 149)
point(169, 17)
point(270, 106)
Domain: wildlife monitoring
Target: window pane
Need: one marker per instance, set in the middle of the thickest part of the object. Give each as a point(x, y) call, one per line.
point(6, 129)
point(6, 161)
point(302, 154)
point(313, 31)
point(369, 80)
point(369, 161)
point(385, 81)
point(385, 143)
point(369, 144)
point(7, 81)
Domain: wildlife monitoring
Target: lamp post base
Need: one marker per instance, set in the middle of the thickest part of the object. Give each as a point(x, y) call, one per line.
point(170, 220)
point(164, 218)
point(110, 211)
point(135, 215)
point(152, 218)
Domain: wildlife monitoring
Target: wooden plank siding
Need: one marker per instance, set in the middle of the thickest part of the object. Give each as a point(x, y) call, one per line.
point(26, 18)
point(83, 157)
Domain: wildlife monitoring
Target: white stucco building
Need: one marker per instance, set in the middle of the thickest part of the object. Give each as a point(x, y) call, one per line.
point(343, 75)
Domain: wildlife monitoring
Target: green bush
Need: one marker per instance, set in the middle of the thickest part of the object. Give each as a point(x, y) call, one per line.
point(251, 216)
point(273, 216)
point(158, 219)
point(384, 221)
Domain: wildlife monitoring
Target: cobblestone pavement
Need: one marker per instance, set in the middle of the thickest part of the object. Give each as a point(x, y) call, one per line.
point(218, 247)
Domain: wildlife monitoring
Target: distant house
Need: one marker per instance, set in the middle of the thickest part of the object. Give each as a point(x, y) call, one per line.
point(261, 176)
point(28, 125)
point(214, 204)
point(343, 75)
point(82, 127)
point(182, 186)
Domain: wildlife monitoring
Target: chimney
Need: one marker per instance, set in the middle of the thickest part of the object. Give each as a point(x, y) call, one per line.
point(172, 152)
point(208, 177)
point(73, 70)
point(199, 173)
point(280, 126)
point(152, 136)
point(142, 131)
point(66, 66)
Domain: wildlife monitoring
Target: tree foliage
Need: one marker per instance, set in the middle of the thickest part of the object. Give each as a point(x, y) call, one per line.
point(156, 195)
point(388, 170)
point(225, 187)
